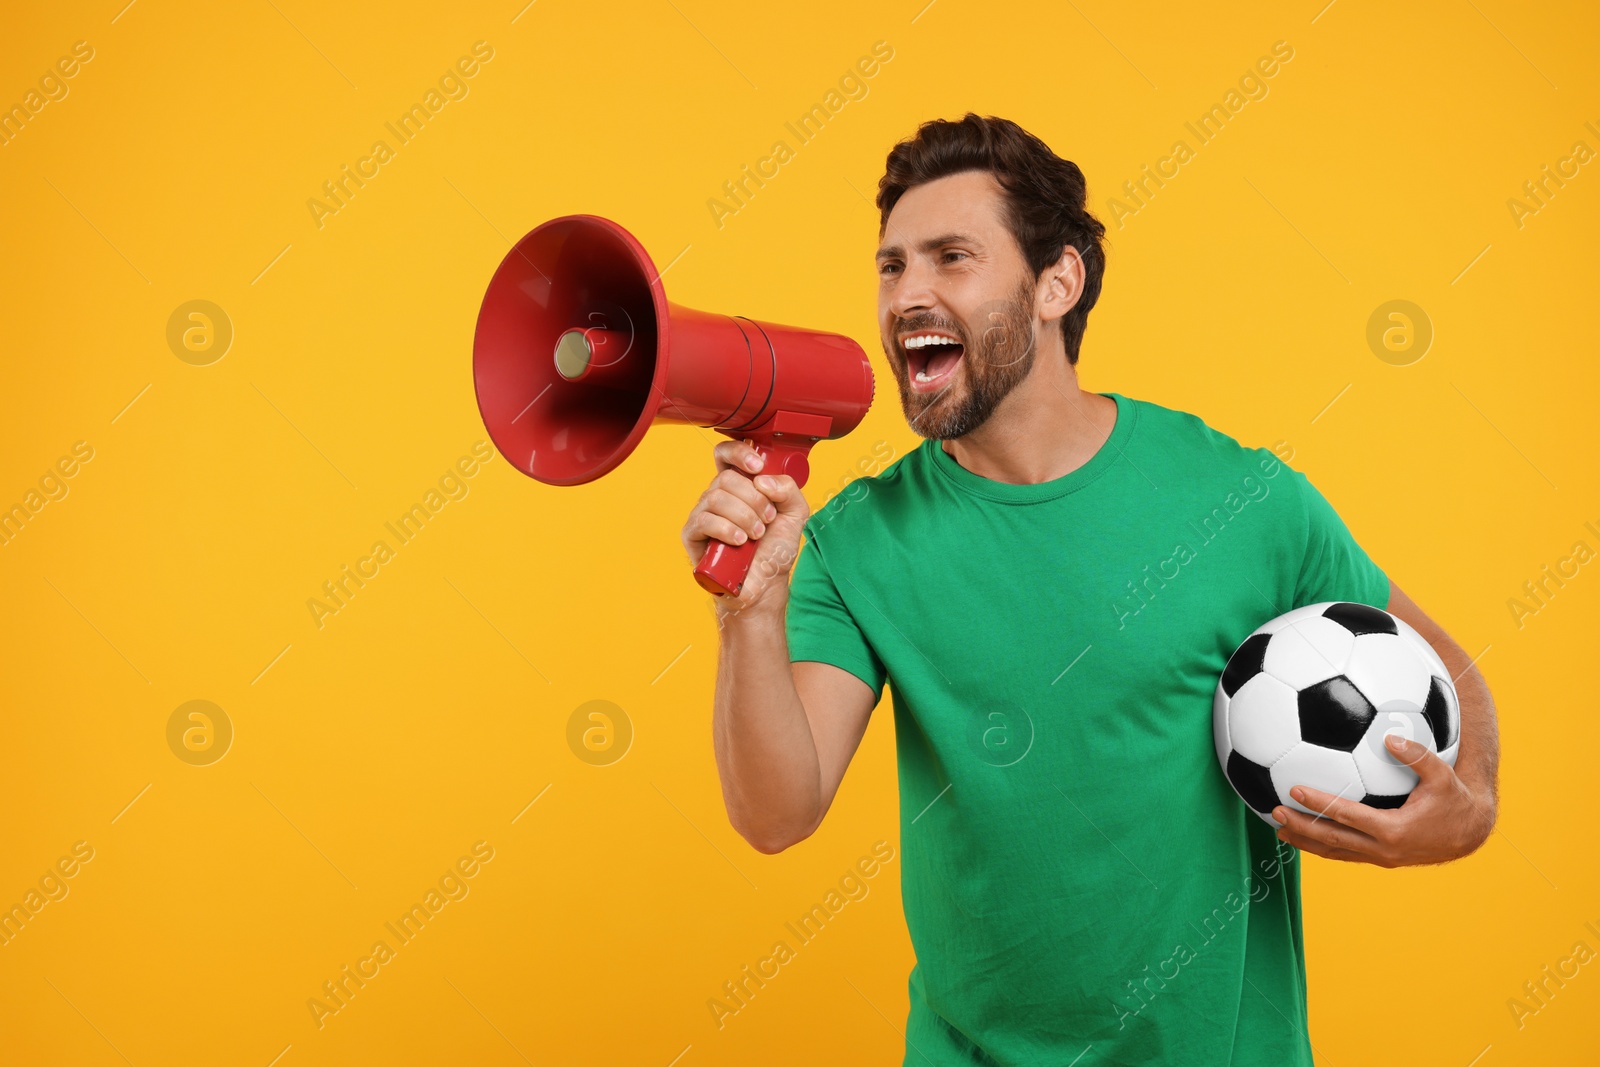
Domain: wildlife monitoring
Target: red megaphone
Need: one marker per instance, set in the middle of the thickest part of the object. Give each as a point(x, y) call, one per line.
point(578, 353)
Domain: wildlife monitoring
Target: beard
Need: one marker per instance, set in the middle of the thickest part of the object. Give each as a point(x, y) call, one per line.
point(992, 365)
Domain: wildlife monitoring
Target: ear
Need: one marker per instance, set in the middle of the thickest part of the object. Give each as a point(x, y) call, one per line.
point(1061, 285)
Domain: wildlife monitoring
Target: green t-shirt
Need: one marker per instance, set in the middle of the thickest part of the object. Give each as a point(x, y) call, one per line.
point(1077, 872)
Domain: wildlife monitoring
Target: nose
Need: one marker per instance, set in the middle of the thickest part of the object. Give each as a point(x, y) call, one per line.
point(912, 293)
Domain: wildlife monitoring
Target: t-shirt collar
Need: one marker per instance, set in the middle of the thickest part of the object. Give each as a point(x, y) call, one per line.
point(1009, 493)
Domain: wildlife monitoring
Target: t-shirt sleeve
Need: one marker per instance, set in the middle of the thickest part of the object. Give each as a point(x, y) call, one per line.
point(1335, 566)
point(821, 628)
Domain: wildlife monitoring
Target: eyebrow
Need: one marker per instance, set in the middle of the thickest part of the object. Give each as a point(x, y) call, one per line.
point(930, 245)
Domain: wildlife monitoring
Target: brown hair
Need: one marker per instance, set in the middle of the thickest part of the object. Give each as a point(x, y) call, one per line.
point(1045, 196)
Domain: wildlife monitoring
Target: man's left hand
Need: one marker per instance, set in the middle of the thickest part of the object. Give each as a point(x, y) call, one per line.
point(1443, 819)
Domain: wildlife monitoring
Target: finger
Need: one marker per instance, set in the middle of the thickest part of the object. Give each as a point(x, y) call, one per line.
point(1420, 758)
point(728, 506)
point(784, 492)
point(706, 525)
point(741, 486)
point(739, 454)
point(1316, 848)
point(1368, 820)
point(1323, 830)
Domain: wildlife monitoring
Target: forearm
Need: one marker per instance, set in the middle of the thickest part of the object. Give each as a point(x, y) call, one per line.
point(1478, 759)
point(766, 754)
point(1451, 811)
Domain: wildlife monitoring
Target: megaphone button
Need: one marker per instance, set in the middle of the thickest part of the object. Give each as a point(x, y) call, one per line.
point(797, 467)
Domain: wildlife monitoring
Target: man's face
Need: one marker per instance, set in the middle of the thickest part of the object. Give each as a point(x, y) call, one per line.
point(956, 304)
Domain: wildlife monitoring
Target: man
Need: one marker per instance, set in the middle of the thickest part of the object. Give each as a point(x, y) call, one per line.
point(1053, 581)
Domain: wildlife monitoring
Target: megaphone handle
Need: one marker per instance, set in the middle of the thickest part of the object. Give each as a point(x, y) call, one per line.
point(724, 567)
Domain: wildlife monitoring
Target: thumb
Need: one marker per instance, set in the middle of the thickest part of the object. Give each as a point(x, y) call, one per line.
point(1420, 758)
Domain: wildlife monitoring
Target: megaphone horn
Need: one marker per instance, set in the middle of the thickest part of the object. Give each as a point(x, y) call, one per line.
point(578, 353)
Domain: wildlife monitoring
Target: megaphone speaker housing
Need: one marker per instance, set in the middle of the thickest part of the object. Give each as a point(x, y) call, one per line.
point(578, 353)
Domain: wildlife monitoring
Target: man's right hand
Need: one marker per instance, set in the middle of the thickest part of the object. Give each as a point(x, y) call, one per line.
point(768, 509)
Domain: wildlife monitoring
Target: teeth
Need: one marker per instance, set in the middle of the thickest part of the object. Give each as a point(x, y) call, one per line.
point(929, 339)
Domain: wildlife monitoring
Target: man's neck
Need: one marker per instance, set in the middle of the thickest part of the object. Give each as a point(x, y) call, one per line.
point(1046, 428)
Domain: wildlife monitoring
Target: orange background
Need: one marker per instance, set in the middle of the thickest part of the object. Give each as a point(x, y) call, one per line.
point(371, 753)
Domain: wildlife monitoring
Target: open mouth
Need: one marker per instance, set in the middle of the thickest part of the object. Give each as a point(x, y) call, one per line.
point(931, 357)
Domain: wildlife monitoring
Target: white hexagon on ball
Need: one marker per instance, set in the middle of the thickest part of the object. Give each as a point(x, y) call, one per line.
point(1265, 723)
point(1321, 768)
point(1382, 772)
point(1387, 667)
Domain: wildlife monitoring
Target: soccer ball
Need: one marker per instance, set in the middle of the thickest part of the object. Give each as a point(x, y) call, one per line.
point(1308, 698)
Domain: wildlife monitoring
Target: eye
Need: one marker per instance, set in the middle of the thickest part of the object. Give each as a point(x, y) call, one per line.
point(953, 255)
point(888, 267)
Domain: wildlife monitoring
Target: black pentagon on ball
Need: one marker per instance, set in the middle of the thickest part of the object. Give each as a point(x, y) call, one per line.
point(1437, 714)
point(1334, 714)
point(1381, 800)
point(1253, 782)
point(1245, 663)
point(1361, 618)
